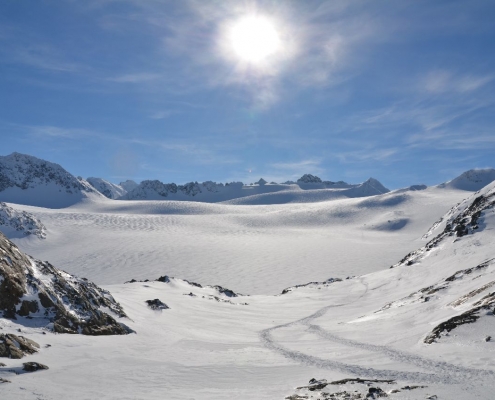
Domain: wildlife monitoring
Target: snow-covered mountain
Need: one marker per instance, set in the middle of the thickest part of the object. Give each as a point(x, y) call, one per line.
point(29, 180)
point(128, 185)
point(261, 192)
point(107, 189)
point(472, 180)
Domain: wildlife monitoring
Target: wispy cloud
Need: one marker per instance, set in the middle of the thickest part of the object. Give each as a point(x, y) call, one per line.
point(445, 81)
point(320, 45)
point(37, 54)
point(58, 132)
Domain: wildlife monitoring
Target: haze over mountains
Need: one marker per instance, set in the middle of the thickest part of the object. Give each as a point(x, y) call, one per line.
point(377, 284)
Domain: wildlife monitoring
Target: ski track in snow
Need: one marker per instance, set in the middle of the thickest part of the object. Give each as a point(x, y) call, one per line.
point(444, 373)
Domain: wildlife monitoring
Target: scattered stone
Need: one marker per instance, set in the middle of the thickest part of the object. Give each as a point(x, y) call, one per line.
point(296, 397)
point(314, 384)
point(432, 397)
point(375, 393)
point(191, 294)
point(33, 366)
point(488, 339)
point(4, 380)
point(157, 304)
point(3, 365)
point(413, 387)
point(13, 346)
point(363, 381)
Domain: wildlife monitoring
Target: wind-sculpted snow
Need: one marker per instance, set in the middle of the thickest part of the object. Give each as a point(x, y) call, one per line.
point(15, 223)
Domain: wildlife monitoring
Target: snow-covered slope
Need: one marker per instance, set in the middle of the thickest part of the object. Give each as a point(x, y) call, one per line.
point(29, 180)
point(207, 344)
point(472, 180)
point(257, 249)
point(106, 188)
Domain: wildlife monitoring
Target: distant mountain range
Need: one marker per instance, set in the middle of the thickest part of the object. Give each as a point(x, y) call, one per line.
point(28, 180)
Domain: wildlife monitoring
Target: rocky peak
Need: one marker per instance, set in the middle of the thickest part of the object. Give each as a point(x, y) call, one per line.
point(308, 178)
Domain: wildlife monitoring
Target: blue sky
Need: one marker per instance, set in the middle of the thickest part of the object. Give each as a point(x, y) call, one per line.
point(144, 89)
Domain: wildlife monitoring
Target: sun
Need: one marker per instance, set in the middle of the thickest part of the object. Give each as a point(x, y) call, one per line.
point(254, 39)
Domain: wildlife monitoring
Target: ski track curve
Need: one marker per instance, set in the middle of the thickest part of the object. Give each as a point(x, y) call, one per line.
point(443, 372)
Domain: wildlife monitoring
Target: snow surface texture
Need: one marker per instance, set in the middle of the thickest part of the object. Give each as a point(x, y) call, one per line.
point(29, 180)
point(208, 345)
point(254, 249)
point(211, 345)
point(16, 224)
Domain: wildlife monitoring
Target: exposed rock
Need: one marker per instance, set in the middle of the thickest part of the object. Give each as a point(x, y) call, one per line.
point(225, 291)
point(4, 380)
point(462, 220)
point(33, 366)
point(13, 346)
point(32, 288)
point(375, 393)
point(157, 304)
point(312, 284)
point(467, 317)
point(308, 178)
point(363, 381)
point(20, 222)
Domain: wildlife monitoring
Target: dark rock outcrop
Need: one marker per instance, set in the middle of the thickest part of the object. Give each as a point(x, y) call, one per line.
point(157, 304)
point(64, 303)
point(33, 366)
point(13, 346)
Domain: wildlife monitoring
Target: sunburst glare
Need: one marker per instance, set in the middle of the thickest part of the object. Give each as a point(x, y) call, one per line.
point(254, 39)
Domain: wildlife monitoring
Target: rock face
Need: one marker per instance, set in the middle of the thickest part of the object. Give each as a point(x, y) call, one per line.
point(14, 223)
point(13, 346)
point(53, 298)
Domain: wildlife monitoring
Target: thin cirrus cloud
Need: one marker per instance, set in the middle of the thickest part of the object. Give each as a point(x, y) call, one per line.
point(445, 81)
point(316, 52)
